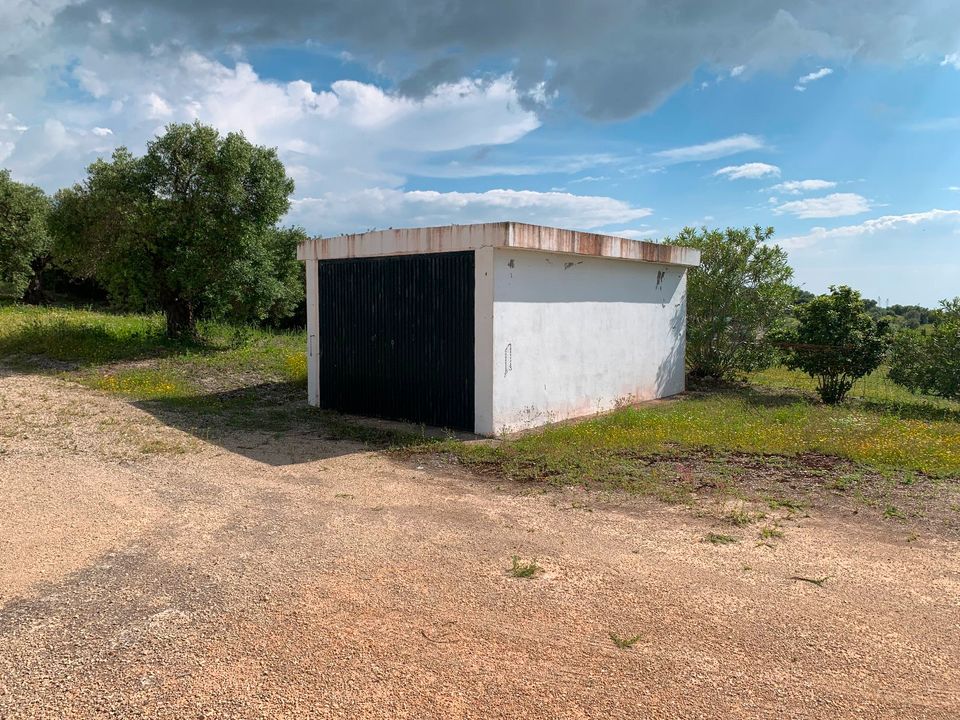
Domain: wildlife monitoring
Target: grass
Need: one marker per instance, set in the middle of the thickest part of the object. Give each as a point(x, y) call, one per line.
point(616, 449)
point(742, 518)
point(231, 377)
point(624, 643)
point(520, 569)
point(249, 378)
point(770, 533)
point(891, 512)
point(719, 539)
point(819, 582)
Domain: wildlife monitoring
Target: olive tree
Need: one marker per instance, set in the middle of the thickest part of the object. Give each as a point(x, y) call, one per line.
point(24, 240)
point(928, 361)
point(189, 229)
point(738, 296)
point(836, 341)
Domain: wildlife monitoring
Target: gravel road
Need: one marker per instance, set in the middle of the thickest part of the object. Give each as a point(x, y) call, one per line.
point(150, 572)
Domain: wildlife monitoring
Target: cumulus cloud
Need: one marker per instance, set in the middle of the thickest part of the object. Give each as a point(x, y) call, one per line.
point(609, 58)
point(952, 59)
point(797, 187)
point(889, 226)
point(345, 136)
point(711, 150)
point(833, 205)
point(337, 212)
point(737, 71)
point(802, 82)
point(749, 171)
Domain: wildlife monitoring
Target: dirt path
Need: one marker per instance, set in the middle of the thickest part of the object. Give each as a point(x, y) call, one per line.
point(145, 572)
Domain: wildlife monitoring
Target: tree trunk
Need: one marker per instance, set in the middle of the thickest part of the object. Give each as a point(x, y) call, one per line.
point(181, 321)
point(35, 293)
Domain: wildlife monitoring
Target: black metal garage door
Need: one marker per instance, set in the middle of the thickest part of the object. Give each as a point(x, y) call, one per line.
point(396, 337)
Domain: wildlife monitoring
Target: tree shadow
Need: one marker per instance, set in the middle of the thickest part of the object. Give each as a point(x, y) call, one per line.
point(755, 396)
point(59, 343)
point(918, 410)
point(273, 424)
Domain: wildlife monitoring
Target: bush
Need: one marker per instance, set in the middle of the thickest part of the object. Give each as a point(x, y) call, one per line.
point(929, 362)
point(737, 297)
point(24, 241)
point(836, 342)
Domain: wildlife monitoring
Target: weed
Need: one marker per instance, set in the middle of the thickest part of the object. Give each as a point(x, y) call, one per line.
point(775, 503)
point(158, 446)
point(908, 478)
point(742, 518)
point(719, 539)
point(845, 482)
point(891, 512)
point(769, 532)
point(624, 643)
point(520, 569)
point(344, 496)
point(819, 582)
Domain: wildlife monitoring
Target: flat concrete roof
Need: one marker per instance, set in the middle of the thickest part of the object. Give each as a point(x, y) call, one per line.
point(521, 236)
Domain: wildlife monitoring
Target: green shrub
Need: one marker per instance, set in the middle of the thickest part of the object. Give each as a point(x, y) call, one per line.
point(836, 342)
point(736, 298)
point(929, 362)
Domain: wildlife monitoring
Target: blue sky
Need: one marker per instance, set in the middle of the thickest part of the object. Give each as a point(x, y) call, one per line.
point(839, 127)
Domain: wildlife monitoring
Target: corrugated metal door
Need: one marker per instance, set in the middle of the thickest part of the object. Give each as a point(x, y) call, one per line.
point(396, 337)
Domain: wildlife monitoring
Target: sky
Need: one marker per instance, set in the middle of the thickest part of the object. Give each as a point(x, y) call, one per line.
point(835, 123)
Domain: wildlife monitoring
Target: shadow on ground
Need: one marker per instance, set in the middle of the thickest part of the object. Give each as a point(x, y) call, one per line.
point(272, 423)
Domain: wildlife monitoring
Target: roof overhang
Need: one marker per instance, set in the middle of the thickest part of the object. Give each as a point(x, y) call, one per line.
point(521, 236)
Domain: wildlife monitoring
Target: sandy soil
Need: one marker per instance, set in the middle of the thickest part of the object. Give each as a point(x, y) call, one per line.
point(149, 572)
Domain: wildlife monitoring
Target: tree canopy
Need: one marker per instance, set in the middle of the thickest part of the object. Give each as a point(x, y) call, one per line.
point(740, 293)
point(190, 229)
point(928, 361)
point(837, 341)
point(24, 240)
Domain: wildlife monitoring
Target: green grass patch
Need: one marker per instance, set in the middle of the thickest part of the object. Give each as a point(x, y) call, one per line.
point(615, 450)
point(624, 643)
point(770, 533)
point(719, 539)
point(521, 569)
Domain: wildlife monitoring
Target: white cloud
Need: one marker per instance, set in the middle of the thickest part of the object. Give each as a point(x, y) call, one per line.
point(337, 212)
point(750, 171)
point(796, 187)
point(887, 225)
point(633, 233)
point(952, 59)
point(589, 179)
point(834, 205)
point(738, 70)
point(712, 150)
point(802, 82)
point(347, 136)
point(156, 107)
point(937, 124)
point(955, 188)
point(91, 82)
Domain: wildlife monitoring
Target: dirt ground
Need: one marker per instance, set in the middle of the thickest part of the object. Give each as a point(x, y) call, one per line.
point(150, 572)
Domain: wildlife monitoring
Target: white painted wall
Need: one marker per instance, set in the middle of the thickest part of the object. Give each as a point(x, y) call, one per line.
point(313, 331)
point(574, 335)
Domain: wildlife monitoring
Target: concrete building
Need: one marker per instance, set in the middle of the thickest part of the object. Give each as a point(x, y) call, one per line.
point(492, 328)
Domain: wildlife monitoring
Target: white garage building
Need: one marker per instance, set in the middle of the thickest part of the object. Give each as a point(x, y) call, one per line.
point(492, 328)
